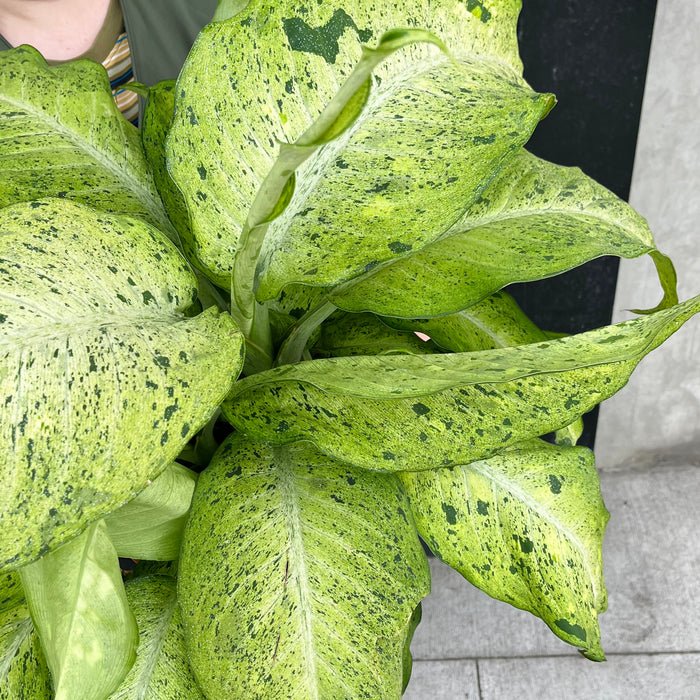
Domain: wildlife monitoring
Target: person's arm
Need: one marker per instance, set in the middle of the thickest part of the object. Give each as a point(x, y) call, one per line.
point(62, 30)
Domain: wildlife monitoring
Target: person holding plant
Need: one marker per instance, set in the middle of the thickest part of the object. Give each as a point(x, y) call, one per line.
point(143, 40)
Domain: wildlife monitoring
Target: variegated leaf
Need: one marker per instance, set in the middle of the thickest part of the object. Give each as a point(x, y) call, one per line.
point(24, 674)
point(428, 411)
point(365, 334)
point(299, 576)
point(526, 527)
point(63, 136)
point(102, 377)
point(535, 220)
point(161, 670)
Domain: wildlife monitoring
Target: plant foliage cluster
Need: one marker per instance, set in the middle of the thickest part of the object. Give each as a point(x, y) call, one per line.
point(323, 182)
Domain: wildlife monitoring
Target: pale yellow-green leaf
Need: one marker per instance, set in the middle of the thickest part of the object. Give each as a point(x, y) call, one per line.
point(151, 526)
point(103, 379)
point(527, 528)
point(299, 577)
point(78, 607)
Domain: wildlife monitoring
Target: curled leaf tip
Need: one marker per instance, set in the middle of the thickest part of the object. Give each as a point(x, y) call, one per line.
point(550, 101)
point(669, 281)
point(139, 88)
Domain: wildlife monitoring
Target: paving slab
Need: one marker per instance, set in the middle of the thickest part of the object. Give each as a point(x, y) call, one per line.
point(652, 568)
point(642, 677)
point(443, 680)
point(660, 409)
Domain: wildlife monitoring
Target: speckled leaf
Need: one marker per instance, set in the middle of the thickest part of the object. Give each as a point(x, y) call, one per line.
point(422, 151)
point(78, 607)
point(365, 334)
point(157, 119)
point(263, 77)
point(63, 136)
point(426, 411)
point(298, 576)
point(161, 670)
point(534, 221)
point(495, 322)
point(407, 656)
point(527, 528)
point(151, 526)
point(103, 380)
point(24, 674)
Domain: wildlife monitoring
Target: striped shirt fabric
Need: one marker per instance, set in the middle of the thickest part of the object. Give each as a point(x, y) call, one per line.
point(120, 72)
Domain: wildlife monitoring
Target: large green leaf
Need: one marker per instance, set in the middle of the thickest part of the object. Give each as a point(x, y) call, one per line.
point(298, 577)
point(263, 77)
point(78, 606)
point(535, 220)
point(103, 380)
point(63, 136)
point(24, 674)
point(426, 411)
point(151, 526)
point(495, 322)
point(161, 670)
point(526, 527)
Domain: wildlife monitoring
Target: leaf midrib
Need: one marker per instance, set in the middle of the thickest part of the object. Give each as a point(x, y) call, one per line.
point(161, 631)
point(75, 325)
point(120, 174)
point(297, 554)
point(462, 227)
point(482, 467)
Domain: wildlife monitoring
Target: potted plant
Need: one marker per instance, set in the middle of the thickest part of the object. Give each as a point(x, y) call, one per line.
point(322, 184)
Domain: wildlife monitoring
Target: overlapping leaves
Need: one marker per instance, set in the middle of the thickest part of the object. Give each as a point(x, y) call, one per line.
point(423, 412)
point(151, 525)
point(535, 220)
point(273, 68)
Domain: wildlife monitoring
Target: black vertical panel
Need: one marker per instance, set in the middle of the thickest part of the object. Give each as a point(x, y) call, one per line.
point(593, 56)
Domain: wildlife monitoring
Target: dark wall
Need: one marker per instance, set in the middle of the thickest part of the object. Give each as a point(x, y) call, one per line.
point(593, 56)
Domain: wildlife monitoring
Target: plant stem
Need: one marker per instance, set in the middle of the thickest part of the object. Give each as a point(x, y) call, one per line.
point(294, 344)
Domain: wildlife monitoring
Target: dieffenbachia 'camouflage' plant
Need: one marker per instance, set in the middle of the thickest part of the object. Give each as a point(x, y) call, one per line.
point(323, 181)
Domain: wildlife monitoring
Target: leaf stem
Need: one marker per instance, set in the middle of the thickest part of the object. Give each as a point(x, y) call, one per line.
point(258, 357)
point(294, 345)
